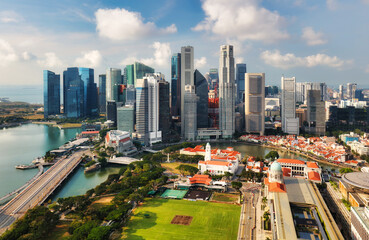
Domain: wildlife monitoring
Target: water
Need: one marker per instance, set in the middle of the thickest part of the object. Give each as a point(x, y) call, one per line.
point(30, 94)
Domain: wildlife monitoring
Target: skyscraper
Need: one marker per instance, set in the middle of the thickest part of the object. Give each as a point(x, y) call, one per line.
point(187, 78)
point(255, 102)
point(126, 118)
point(290, 124)
point(226, 91)
point(176, 84)
point(213, 78)
point(51, 93)
point(240, 80)
point(90, 91)
point(189, 118)
point(302, 88)
point(315, 113)
point(142, 109)
point(164, 110)
point(340, 92)
point(351, 87)
point(102, 93)
point(111, 111)
point(73, 93)
point(136, 71)
point(113, 80)
point(201, 86)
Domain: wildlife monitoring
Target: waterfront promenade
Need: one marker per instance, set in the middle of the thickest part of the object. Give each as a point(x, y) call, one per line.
point(39, 190)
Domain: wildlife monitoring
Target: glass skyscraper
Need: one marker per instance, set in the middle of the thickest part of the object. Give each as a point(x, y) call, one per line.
point(240, 80)
point(73, 93)
point(90, 91)
point(113, 80)
point(51, 93)
point(201, 86)
point(176, 84)
point(102, 93)
point(136, 71)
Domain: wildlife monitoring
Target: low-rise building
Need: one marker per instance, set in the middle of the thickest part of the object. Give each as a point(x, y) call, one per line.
point(120, 141)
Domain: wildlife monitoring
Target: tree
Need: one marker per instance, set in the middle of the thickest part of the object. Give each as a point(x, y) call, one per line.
point(345, 170)
point(228, 175)
point(236, 185)
point(183, 169)
point(272, 155)
point(99, 233)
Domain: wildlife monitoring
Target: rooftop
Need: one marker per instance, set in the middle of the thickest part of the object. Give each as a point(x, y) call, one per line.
point(292, 161)
point(357, 179)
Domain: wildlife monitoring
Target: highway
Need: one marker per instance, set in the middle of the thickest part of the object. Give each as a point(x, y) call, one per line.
point(39, 190)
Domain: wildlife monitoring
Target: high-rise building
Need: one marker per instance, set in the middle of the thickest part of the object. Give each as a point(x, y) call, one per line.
point(73, 93)
point(226, 91)
point(142, 109)
point(302, 88)
point(90, 103)
point(130, 95)
point(176, 84)
point(164, 110)
point(122, 93)
point(240, 80)
point(359, 95)
point(136, 71)
point(126, 118)
point(102, 93)
point(111, 111)
point(189, 118)
point(315, 113)
point(351, 87)
point(213, 78)
point(340, 92)
point(290, 124)
point(113, 80)
point(51, 93)
point(201, 86)
point(255, 102)
point(187, 78)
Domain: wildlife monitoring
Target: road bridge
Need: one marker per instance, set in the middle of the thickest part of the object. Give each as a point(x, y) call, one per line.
point(123, 160)
point(39, 190)
point(149, 150)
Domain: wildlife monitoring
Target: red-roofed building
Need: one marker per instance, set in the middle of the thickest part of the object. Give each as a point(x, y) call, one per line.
point(277, 187)
point(314, 176)
point(200, 179)
point(286, 172)
point(312, 165)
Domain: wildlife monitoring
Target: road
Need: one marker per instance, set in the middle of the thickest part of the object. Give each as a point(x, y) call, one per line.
point(39, 190)
point(247, 220)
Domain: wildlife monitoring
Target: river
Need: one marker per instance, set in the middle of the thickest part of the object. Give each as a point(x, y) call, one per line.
point(20, 145)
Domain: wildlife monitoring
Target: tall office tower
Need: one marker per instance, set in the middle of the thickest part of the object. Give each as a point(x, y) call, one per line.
point(201, 86)
point(315, 113)
point(323, 92)
point(51, 93)
point(351, 87)
point(111, 111)
point(102, 93)
point(90, 103)
point(189, 118)
point(340, 92)
point(226, 91)
point(164, 110)
point(122, 93)
point(176, 85)
point(113, 79)
point(302, 88)
point(136, 71)
point(359, 95)
point(130, 95)
point(240, 80)
point(187, 69)
point(300, 92)
point(73, 93)
point(255, 102)
point(142, 108)
point(213, 78)
point(290, 124)
point(126, 118)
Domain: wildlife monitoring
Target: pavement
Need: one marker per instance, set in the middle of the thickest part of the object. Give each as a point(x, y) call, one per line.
point(251, 193)
point(38, 191)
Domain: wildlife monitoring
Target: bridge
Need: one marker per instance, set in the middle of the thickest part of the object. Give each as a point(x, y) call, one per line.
point(149, 150)
point(123, 160)
point(39, 190)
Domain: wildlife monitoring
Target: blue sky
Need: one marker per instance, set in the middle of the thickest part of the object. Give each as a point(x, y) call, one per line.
point(313, 40)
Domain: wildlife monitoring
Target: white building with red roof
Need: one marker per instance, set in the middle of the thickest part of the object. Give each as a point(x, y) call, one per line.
point(120, 141)
point(308, 170)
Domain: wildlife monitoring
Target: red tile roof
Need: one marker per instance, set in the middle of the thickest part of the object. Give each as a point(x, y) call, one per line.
point(312, 165)
point(286, 172)
point(294, 161)
point(315, 176)
point(219, 163)
point(90, 132)
point(277, 187)
point(200, 179)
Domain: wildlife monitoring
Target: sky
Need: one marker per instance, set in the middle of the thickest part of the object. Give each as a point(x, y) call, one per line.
point(313, 40)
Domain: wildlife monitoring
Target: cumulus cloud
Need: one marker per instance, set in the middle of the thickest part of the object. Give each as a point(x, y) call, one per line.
point(121, 24)
point(332, 4)
point(27, 56)
point(289, 60)
point(50, 60)
point(161, 58)
point(89, 59)
point(200, 63)
point(7, 53)
point(10, 17)
point(313, 38)
point(243, 20)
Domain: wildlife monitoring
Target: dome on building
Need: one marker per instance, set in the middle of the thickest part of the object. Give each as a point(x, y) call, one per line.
point(276, 166)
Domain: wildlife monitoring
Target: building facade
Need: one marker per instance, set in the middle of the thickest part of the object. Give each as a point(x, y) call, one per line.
point(240, 80)
point(142, 119)
point(136, 71)
point(164, 110)
point(359, 223)
point(73, 93)
point(51, 93)
point(102, 93)
point(190, 117)
point(126, 118)
point(201, 86)
point(315, 113)
point(290, 124)
point(90, 102)
point(226, 91)
point(176, 85)
point(111, 112)
point(113, 80)
point(255, 103)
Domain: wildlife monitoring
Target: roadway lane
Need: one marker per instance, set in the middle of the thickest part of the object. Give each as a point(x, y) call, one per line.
point(39, 190)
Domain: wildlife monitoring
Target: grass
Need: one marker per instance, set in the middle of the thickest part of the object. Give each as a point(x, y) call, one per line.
point(215, 221)
point(171, 167)
point(34, 117)
point(224, 197)
point(70, 125)
point(60, 232)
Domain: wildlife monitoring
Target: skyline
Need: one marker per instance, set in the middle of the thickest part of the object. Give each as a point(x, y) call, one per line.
point(312, 41)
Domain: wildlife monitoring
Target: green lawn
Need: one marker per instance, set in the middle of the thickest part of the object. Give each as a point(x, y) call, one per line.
point(224, 197)
point(210, 220)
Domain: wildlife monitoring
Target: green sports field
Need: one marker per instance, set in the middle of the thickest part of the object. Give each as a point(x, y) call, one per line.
point(215, 221)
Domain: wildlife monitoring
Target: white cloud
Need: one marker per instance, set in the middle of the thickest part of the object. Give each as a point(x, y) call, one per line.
point(312, 38)
point(50, 60)
point(121, 24)
point(89, 59)
point(332, 4)
point(289, 60)
point(242, 19)
point(27, 56)
point(200, 63)
point(10, 17)
point(7, 53)
point(161, 56)
point(239, 60)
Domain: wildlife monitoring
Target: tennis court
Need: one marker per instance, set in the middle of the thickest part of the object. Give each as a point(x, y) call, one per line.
point(178, 194)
